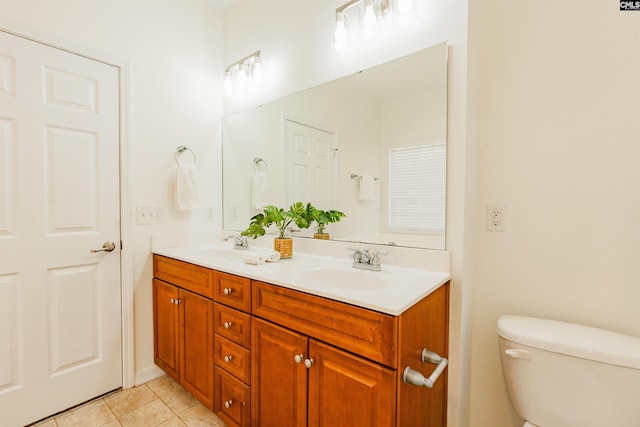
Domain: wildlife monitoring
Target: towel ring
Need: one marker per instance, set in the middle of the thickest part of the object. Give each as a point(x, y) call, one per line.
point(181, 149)
point(256, 164)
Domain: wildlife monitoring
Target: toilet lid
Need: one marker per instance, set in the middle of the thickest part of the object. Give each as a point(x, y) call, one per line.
point(572, 339)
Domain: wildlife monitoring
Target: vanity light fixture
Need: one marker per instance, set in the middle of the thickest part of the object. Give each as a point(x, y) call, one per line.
point(242, 72)
point(369, 17)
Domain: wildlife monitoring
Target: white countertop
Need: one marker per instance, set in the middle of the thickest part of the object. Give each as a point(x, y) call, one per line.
point(392, 290)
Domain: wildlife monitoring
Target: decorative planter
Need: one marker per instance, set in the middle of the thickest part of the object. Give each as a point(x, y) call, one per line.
point(322, 236)
point(284, 246)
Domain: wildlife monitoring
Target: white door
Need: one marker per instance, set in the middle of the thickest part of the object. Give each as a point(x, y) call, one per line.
point(60, 323)
point(310, 165)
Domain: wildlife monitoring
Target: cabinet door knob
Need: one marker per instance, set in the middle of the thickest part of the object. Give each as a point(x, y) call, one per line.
point(228, 358)
point(227, 291)
point(228, 403)
point(308, 362)
point(227, 325)
point(298, 358)
point(173, 300)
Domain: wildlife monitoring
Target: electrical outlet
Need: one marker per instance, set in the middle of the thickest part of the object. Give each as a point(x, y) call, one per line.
point(495, 218)
point(149, 215)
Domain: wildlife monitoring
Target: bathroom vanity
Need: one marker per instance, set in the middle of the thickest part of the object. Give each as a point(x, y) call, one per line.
point(290, 344)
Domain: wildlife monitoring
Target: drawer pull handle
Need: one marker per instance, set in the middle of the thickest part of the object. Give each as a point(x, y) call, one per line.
point(227, 291)
point(228, 358)
point(298, 358)
point(228, 403)
point(227, 325)
point(308, 362)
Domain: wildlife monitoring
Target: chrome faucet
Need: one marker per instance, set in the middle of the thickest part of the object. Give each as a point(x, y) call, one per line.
point(239, 242)
point(367, 259)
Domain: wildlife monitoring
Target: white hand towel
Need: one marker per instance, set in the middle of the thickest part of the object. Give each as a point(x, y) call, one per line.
point(259, 257)
point(256, 258)
point(259, 189)
point(186, 187)
point(272, 256)
point(367, 188)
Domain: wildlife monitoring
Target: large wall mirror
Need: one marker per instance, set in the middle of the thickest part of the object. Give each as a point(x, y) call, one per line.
point(372, 145)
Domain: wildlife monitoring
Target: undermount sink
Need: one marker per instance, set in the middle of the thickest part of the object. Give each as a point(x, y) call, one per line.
point(343, 278)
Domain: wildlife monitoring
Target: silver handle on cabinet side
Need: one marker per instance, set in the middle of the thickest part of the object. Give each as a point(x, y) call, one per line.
point(228, 403)
point(227, 325)
point(298, 358)
point(308, 362)
point(411, 376)
point(227, 291)
point(228, 358)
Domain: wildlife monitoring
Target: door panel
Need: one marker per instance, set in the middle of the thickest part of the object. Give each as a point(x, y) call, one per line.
point(278, 383)
point(60, 337)
point(337, 379)
point(310, 165)
point(196, 355)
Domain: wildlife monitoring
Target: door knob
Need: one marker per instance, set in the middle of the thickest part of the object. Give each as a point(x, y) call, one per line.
point(106, 247)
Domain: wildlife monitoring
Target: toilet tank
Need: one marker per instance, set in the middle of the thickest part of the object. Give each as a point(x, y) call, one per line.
point(562, 374)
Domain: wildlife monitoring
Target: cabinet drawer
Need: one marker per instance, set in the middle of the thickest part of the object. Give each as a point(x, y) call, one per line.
point(234, 291)
point(232, 399)
point(365, 332)
point(232, 324)
point(187, 276)
point(233, 358)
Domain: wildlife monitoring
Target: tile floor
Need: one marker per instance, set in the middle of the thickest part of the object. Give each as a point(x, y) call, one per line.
point(161, 402)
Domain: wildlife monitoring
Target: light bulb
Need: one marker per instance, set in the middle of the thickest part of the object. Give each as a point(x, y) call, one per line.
point(405, 12)
point(242, 76)
point(257, 70)
point(228, 84)
point(341, 36)
point(370, 18)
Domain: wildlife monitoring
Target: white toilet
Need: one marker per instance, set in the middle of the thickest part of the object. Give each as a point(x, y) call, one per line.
point(564, 375)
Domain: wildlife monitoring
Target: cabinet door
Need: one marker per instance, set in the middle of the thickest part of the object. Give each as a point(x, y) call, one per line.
point(346, 390)
point(166, 328)
point(196, 345)
point(278, 383)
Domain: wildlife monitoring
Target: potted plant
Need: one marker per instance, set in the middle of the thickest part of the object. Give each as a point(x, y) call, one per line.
point(297, 214)
point(322, 218)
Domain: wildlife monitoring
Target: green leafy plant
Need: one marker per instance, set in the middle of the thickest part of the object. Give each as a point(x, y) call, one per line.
point(323, 218)
point(297, 214)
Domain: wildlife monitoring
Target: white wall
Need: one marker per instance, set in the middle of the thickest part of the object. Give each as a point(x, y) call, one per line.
point(174, 52)
point(554, 105)
point(295, 38)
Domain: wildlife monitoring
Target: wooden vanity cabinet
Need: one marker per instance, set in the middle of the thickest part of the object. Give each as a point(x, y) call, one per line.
point(183, 324)
point(264, 355)
point(183, 344)
point(308, 367)
point(299, 381)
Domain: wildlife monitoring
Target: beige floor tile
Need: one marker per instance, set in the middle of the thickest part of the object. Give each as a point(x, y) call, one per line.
point(130, 399)
point(180, 400)
point(152, 414)
point(164, 386)
point(173, 422)
point(92, 414)
point(200, 416)
point(46, 423)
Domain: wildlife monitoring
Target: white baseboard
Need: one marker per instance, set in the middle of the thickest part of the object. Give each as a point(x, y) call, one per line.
point(147, 374)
